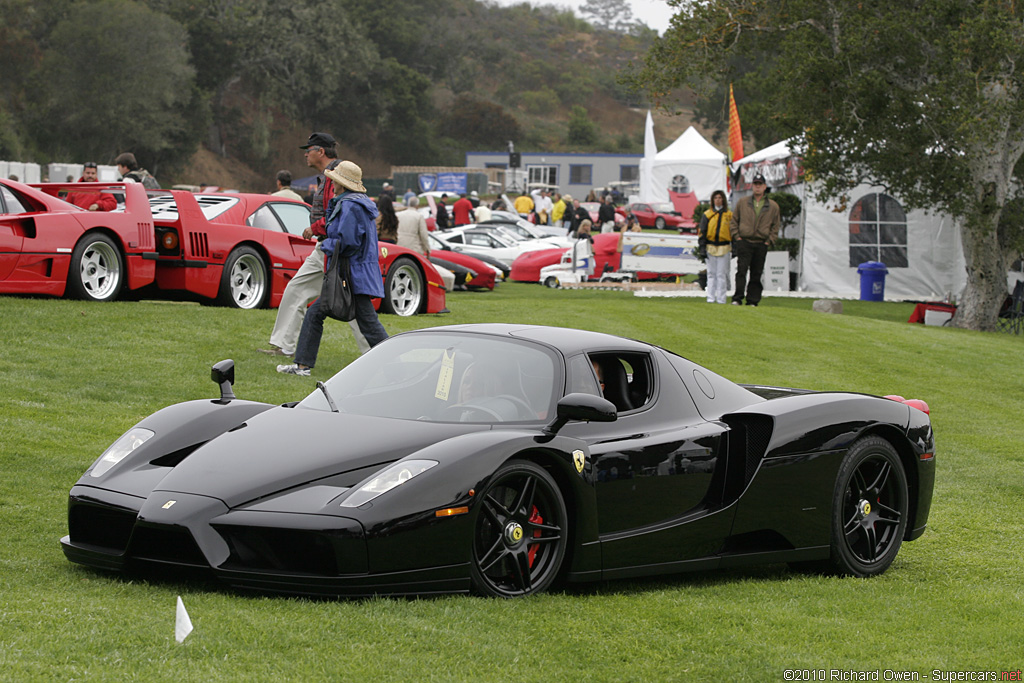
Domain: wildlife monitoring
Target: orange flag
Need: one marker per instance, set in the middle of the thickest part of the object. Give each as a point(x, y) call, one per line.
point(735, 134)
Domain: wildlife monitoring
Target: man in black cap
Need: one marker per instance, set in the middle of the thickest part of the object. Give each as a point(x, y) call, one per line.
point(757, 220)
point(305, 286)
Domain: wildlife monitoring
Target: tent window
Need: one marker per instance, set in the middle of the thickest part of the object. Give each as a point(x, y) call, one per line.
point(680, 183)
point(878, 231)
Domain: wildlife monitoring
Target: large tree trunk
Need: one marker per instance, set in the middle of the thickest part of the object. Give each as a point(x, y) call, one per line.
point(986, 277)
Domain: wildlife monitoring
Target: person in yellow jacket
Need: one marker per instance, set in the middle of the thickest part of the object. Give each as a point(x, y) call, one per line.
point(559, 211)
point(524, 205)
point(714, 234)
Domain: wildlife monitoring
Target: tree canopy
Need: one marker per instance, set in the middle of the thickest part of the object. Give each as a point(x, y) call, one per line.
point(923, 98)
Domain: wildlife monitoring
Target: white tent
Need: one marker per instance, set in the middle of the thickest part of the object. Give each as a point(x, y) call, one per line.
point(690, 164)
point(921, 250)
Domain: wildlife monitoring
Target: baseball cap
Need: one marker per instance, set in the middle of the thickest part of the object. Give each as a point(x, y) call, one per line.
point(318, 140)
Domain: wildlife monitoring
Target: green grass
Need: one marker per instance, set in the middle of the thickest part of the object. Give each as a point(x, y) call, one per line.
point(75, 375)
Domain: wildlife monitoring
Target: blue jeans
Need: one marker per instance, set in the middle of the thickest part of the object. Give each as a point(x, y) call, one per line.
point(313, 329)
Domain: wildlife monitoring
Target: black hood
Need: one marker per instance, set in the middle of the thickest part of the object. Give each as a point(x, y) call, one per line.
point(287, 447)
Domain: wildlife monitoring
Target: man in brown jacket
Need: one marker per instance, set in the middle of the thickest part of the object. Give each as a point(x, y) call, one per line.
point(757, 221)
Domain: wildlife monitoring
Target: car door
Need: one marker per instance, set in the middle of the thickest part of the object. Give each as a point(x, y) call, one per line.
point(12, 231)
point(654, 468)
point(287, 221)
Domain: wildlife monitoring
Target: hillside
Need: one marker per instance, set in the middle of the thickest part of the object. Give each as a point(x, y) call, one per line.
point(223, 93)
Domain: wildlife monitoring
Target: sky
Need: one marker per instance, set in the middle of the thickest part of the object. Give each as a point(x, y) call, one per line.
point(654, 13)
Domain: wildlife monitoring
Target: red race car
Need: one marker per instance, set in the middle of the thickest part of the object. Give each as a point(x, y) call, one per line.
point(235, 249)
point(48, 246)
point(526, 267)
point(659, 215)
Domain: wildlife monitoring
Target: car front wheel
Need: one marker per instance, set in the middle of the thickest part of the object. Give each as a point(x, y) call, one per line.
point(403, 288)
point(520, 534)
point(244, 282)
point(97, 269)
point(659, 223)
point(870, 509)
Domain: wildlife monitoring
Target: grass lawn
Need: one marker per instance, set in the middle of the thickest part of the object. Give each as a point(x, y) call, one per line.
point(75, 375)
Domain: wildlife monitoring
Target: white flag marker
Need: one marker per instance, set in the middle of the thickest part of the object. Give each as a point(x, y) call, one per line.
point(182, 624)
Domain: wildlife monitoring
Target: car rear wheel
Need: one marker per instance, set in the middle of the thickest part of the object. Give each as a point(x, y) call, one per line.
point(244, 282)
point(520, 533)
point(97, 269)
point(659, 223)
point(403, 288)
point(869, 510)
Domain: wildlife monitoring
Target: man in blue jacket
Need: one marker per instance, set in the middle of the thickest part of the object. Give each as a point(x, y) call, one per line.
point(351, 232)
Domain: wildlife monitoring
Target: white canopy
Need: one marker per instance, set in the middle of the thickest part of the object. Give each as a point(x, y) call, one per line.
point(923, 250)
point(690, 164)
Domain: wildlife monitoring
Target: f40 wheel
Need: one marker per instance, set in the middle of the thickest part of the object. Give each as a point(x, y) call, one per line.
point(97, 269)
point(659, 223)
point(869, 508)
point(404, 288)
point(520, 532)
point(244, 282)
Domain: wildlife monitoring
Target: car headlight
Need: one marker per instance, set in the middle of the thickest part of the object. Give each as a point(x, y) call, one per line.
point(396, 475)
point(120, 449)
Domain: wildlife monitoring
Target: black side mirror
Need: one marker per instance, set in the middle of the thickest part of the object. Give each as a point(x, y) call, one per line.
point(223, 373)
point(581, 407)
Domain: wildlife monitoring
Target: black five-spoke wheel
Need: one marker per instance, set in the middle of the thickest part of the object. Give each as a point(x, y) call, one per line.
point(520, 535)
point(869, 516)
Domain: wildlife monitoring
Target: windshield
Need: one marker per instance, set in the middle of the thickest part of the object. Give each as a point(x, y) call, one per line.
point(448, 377)
point(664, 207)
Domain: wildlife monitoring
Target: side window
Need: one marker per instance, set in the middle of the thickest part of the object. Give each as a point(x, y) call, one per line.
point(295, 217)
point(581, 377)
point(455, 239)
point(10, 203)
point(264, 219)
point(626, 378)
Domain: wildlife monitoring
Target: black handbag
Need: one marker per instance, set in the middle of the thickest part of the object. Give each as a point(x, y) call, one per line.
point(336, 298)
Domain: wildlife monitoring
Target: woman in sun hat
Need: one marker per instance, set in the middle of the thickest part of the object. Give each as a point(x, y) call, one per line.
point(351, 232)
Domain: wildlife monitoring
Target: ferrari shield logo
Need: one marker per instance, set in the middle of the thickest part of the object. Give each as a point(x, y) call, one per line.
point(579, 459)
point(168, 504)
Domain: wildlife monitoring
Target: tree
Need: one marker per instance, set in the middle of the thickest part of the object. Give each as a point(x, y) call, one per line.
point(582, 131)
point(922, 98)
point(614, 15)
point(115, 78)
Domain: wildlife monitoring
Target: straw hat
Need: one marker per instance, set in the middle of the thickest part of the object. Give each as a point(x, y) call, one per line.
point(348, 175)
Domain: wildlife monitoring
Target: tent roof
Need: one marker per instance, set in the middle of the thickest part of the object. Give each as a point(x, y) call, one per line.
point(780, 150)
point(690, 146)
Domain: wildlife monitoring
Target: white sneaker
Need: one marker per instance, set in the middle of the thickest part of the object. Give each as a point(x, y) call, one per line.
point(293, 369)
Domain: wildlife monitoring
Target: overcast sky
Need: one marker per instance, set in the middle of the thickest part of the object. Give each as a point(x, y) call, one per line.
point(654, 13)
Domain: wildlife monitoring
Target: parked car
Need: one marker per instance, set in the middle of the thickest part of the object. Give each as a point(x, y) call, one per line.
point(469, 271)
point(659, 215)
point(474, 240)
point(48, 246)
point(527, 267)
point(234, 249)
point(499, 459)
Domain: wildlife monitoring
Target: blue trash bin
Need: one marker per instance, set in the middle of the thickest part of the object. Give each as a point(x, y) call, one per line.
point(872, 280)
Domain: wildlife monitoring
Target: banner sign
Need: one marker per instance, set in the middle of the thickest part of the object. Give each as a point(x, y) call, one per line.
point(648, 253)
point(428, 182)
point(777, 173)
point(452, 183)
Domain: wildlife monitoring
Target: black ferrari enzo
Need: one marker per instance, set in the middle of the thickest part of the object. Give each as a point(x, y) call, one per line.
point(499, 459)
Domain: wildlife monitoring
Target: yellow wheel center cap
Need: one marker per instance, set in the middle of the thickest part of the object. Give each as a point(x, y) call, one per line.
point(865, 508)
point(513, 533)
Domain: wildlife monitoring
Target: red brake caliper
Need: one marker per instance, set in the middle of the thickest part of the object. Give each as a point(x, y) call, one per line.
point(535, 518)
